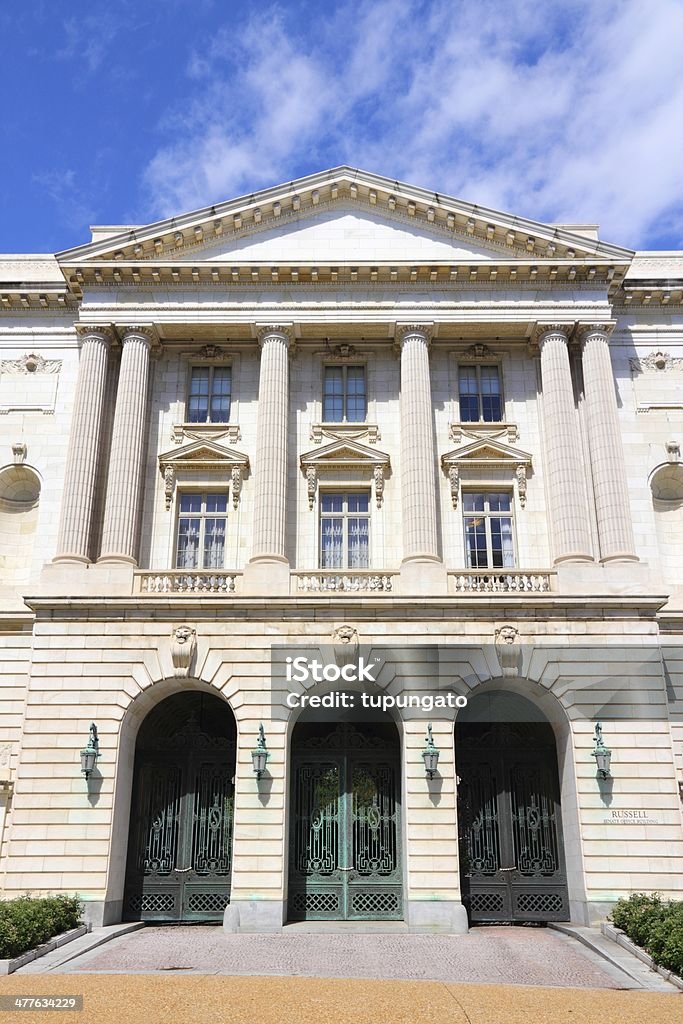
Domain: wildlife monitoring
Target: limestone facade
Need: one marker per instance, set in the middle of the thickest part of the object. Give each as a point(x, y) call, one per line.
point(118, 363)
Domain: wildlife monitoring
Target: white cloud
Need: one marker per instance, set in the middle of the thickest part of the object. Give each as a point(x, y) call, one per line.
point(559, 111)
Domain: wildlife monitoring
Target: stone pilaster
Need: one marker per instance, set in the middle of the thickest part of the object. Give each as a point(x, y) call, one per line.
point(566, 486)
point(73, 544)
point(122, 509)
point(422, 568)
point(268, 567)
point(615, 526)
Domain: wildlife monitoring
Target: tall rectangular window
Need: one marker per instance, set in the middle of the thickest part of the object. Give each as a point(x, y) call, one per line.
point(480, 394)
point(210, 393)
point(489, 539)
point(344, 530)
point(344, 394)
point(202, 521)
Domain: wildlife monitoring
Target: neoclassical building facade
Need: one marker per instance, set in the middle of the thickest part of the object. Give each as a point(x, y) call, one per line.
point(351, 422)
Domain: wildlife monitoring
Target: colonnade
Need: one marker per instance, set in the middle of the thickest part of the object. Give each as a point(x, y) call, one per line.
point(568, 484)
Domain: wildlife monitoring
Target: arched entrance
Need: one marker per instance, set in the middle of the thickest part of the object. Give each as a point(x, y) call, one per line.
point(512, 864)
point(181, 823)
point(345, 859)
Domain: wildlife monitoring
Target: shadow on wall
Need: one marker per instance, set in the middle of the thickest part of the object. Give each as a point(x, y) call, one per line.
point(19, 497)
point(666, 484)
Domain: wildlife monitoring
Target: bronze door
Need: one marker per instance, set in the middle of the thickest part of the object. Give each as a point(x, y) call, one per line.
point(512, 863)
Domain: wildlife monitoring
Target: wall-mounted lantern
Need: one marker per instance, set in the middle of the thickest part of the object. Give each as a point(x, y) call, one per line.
point(90, 752)
point(260, 755)
point(601, 753)
point(430, 754)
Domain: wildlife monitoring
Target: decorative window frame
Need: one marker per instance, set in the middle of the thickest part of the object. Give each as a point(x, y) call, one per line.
point(334, 487)
point(345, 456)
point(209, 355)
point(470, 464)
point(203, 459)
point(203, 488)
point(478, 354)
point(490, 487)
point(346, 354)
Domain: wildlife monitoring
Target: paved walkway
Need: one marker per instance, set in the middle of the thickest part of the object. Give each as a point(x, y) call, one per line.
point(527, 956)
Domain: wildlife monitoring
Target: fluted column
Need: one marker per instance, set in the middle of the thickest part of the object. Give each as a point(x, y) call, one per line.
point(418, 483)
point(122, 509)
point(270, 472)
point(615, 526)
point(78, 496)
point(566, 485)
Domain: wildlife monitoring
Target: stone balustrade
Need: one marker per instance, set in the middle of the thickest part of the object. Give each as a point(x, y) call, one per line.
point(183, 581)
point(506, 581)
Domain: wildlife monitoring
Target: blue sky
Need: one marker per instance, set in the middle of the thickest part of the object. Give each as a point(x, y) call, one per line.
point(122, 112)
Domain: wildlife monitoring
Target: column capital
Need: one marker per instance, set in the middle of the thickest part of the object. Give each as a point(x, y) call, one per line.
point(285, 331)
point(584, 331)
point(104, 332)
point(543, 329)
point(147, 332)
point(402, 331)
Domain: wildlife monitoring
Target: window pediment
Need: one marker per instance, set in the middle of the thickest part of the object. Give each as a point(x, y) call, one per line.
point(484, 454)
point(205, 456)
point(341, 455)
point(487, 452)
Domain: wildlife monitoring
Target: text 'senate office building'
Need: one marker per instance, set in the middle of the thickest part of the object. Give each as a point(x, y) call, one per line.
point(347, 420)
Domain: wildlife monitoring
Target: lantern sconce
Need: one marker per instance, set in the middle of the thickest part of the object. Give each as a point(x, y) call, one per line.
point(90, 752)
point(601, 753)
point(260, 755)
point(430, 754)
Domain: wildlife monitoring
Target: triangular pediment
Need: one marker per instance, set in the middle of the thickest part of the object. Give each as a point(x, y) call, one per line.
point(344, 454)
point(342, 216)
point(202, 453)
point(486, 452)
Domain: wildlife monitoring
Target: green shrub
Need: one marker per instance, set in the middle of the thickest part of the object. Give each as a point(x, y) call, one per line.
point(637, 915)
point(26, 922)
point(655, 925)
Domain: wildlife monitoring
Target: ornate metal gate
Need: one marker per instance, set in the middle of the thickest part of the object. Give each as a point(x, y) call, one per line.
point(511, 853)
point(180, 845)
point(345, 848)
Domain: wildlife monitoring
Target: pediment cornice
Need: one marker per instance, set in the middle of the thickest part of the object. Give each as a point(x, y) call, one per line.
point(203, 456)
point(179, 237)
point(344, 454)
point(486, 452)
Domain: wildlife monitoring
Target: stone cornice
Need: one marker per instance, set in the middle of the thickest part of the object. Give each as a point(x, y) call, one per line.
point(554, 605)
point(475, 273)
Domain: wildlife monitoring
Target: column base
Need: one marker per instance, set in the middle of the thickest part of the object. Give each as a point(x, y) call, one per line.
point(267, 575)
point(437, 916)
point(575, 558)
point(70, 559)
point(423, 575)
point(118, 559)
point(262, 916)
